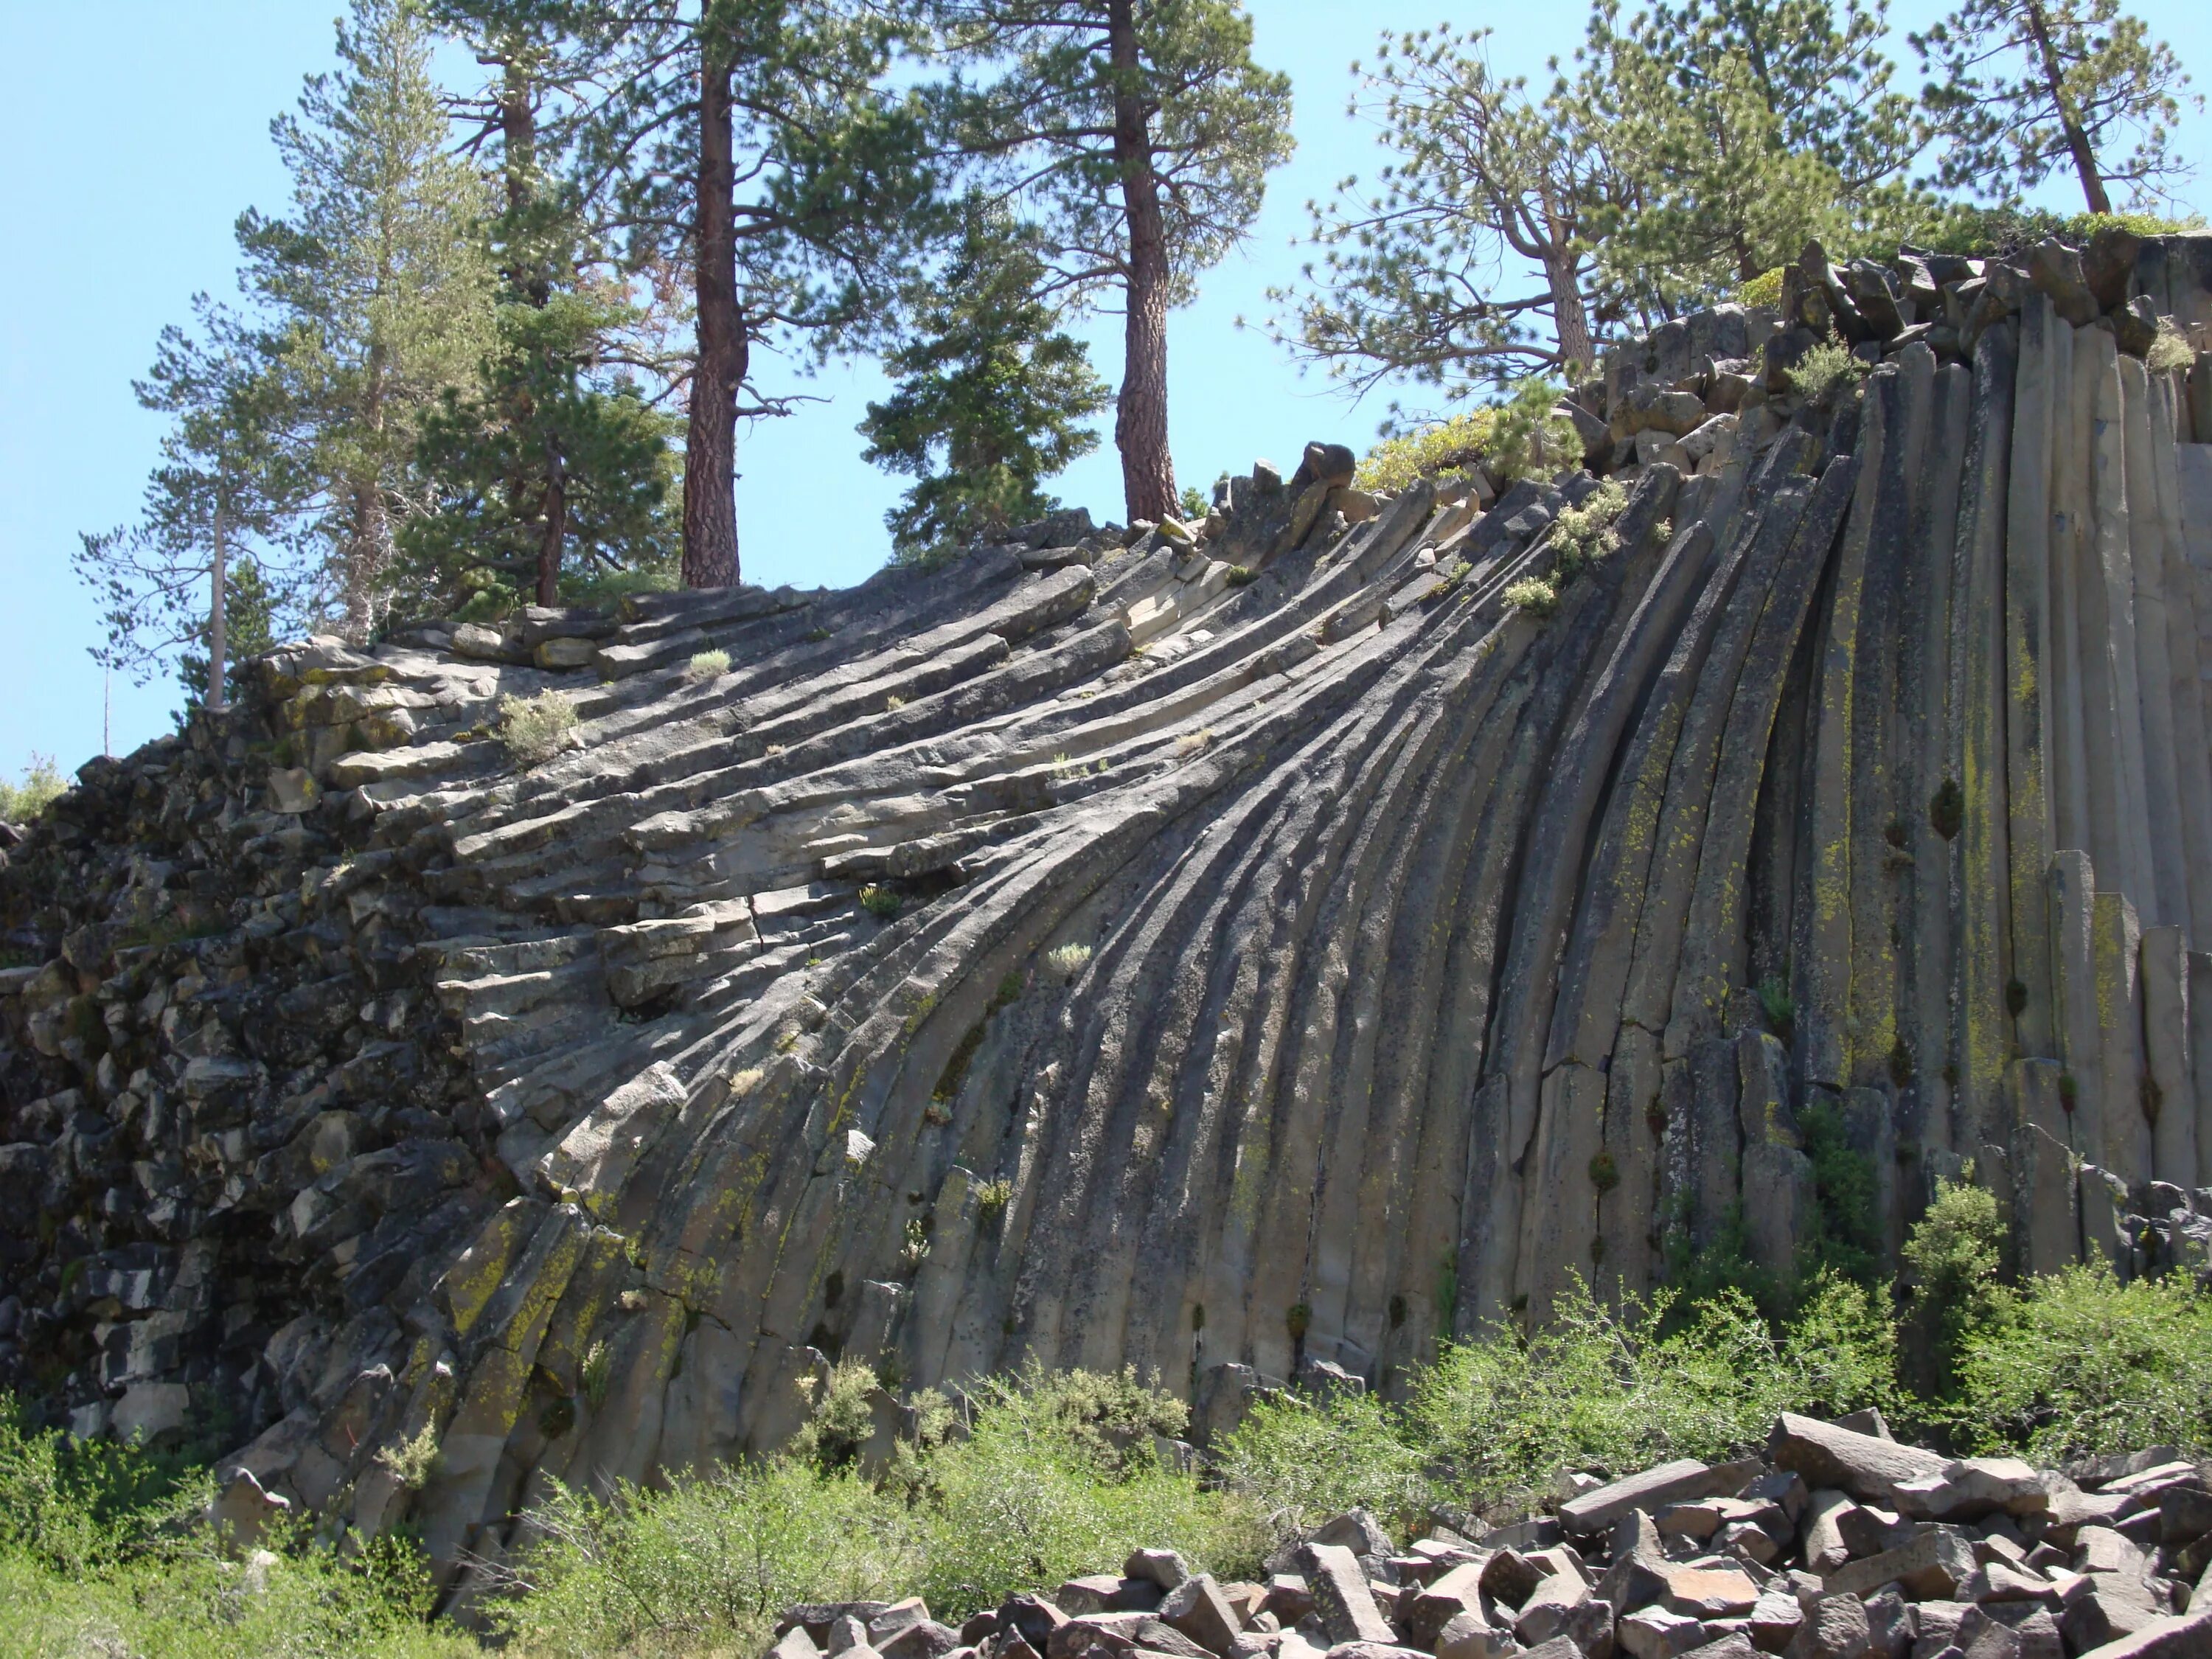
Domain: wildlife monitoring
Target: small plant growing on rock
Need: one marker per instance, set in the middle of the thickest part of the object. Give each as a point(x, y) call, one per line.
point(1065, 962)
point(411, 1463)
point(1764, 289)
point(1533, 595)
point(1827, 366)
point(707, 665)
point(598, 1371)
point(1947, 810)
point(991, 1198)
point(1604, 1173)
point(1583, 534)
point(2170, 351)
point(881, 901)
point(535, 729)
point(1242, 575)
point(1777, 1005)
point(1900, 1063)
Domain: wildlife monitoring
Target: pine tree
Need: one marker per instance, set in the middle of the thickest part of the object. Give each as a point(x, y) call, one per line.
point(1484, 177)
point(1139, 134)
point(1745, 127)
point(988, 384)
point(2031, 85)
point(294, 416)
point(223, 483)
point(757, 148)
point(374, 295)
point(554, 462)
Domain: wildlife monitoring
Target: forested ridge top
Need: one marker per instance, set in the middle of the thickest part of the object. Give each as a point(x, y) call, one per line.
point(462, 364)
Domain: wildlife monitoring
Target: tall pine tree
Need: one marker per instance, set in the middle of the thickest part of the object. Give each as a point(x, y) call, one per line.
point(758, 147)
point(374, 296)
point(2031, 86)
point(554, 462)
point(991, 395)
point(1138, 134)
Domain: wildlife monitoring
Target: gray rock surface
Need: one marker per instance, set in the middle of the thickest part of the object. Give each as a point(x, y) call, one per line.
point(1190, 953)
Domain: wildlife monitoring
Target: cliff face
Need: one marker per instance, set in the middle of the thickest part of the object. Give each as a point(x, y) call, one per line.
point(1275, 950)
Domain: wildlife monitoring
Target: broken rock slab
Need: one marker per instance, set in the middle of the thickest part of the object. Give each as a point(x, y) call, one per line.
point(1865, 1467)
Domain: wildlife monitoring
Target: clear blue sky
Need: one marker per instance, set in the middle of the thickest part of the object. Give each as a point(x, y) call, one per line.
point(134, 130)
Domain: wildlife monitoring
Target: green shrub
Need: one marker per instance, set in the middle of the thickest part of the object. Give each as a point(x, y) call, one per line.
point(1764, 289)
point(1065, 962)
point(2170, 352)
point(1533, 595)
point(2078, 1364)
point(1058, 1477)
point(706, 1566)
point(1620, 1391)
point(1827, 366)
point(1522, 437)
point(1302, 1463)
point(100, 1552)
point(882, 901)
point(707, 665)
point(1443, 449)
point(42, 782)
point(535, 729)
point(1582, 535)
point(1844, 1238)
point(1494, 1420)
point(1952, 1253)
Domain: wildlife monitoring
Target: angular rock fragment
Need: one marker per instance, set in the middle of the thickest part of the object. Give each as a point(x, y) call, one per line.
point(1342, 1600)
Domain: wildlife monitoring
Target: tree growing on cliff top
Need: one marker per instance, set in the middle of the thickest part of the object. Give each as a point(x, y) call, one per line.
point(1747, 126)
point(371, 298)
point(1139, 137)
point(554, 461)
point(293, 417)
point(990, 384)
point(2031, 86)
point(755, 148)
point(1484, 175)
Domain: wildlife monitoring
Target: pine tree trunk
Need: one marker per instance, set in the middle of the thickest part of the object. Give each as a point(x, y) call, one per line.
point(1140, 421)
point(710, 513)
point(2069, 120)
point(218, 579)
point(554, 530)
point(1568, 315)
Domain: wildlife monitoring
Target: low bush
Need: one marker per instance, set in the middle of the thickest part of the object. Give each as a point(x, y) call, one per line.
point(2079, 1363)
point(100, 1552)
point(42, 782)
point(706, 1566)
point(1826, 366)
point(1520, 437)
point(1489, 1425)
point(707, 665)
point(1442, 449)
point(535, 729)
point(1036, 1478)
point(1533, 595)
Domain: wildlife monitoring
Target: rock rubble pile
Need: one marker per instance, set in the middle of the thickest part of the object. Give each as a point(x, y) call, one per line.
point(1838, 1543)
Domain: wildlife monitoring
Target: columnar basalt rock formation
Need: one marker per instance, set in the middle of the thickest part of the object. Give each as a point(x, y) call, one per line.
point(1233, 949)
